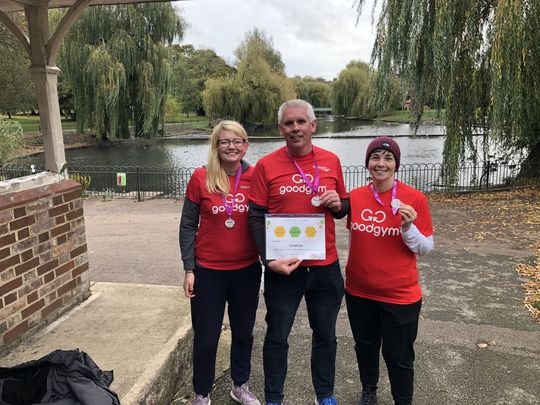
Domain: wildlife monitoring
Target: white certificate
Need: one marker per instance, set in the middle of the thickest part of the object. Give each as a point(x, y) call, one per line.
point(301, 236)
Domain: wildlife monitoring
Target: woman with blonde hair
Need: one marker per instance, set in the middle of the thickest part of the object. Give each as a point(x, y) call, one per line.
point(221, 262)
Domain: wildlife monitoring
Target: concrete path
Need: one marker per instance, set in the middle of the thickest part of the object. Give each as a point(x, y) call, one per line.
point(137, 321)
point(472, 295)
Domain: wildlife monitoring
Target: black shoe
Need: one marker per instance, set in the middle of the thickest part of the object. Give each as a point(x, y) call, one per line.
point(369, 396)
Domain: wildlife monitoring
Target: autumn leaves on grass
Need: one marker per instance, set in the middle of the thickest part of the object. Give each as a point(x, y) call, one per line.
point(532, 286)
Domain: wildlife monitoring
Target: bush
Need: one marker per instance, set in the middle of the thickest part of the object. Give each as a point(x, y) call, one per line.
point(11, 139)
point(84, 180)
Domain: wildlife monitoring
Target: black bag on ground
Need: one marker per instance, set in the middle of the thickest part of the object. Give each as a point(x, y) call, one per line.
point(63, 377)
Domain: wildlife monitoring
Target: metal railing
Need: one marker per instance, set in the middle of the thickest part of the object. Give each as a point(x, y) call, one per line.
point(153, 182)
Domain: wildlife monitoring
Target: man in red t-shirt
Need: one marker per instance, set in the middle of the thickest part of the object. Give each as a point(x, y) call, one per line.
point(301, 179)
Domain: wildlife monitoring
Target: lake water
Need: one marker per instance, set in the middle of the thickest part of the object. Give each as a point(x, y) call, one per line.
point(347, 138)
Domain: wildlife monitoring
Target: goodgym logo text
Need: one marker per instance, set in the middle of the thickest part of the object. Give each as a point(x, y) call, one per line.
point(300, 186)
point(239, 204)
point(369, 225)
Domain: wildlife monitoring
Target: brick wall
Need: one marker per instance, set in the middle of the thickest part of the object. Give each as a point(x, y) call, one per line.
point(43, 258)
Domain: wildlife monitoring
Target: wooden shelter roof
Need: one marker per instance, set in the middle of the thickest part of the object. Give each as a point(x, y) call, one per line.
point(18, 5)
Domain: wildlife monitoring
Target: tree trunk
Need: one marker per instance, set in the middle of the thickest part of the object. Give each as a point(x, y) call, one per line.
point(530, 168)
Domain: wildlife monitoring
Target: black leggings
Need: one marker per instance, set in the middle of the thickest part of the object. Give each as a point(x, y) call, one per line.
point(214, 288)
point(395, 327)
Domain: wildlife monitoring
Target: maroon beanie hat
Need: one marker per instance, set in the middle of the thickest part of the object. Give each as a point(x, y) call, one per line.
point(384, 142)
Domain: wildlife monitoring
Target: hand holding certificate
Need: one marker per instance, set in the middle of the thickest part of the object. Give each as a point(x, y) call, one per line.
point(301, 236)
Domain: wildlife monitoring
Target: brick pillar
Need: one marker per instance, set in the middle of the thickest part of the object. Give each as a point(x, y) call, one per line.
point(43, 259)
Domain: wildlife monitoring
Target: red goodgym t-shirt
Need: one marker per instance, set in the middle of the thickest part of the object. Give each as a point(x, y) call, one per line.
point(278, 185)
point(216, 246)
point(380, 266)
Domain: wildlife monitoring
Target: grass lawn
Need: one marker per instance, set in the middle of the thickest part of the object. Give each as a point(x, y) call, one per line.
point(193, 121)
point(31, 123)
point(429, 116)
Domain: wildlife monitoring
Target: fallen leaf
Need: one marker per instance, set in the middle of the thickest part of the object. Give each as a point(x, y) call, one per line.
point(482, 345)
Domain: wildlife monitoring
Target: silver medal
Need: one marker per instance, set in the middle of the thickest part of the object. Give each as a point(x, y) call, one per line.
point(316, 201)
point(229, 223)
point(395, 204)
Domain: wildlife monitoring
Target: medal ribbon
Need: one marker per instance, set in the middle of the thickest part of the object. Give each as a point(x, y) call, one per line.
point(229, 207)
point(378, 198)
point(315, 185)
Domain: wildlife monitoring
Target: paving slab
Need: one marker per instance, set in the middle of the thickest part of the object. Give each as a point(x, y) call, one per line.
point(132, 329)
point(137, 322)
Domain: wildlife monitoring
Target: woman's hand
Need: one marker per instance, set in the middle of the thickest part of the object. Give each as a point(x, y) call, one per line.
point(189, 282)
point(408, 216)
point(284, 266)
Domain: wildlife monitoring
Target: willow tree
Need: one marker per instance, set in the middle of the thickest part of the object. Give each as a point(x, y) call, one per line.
point(257, 44)
point(191, 69)
point(254, 93)
point(478, 59)
point(315, 91)
point(117, 66)
point(354, 93)
point(18, 92)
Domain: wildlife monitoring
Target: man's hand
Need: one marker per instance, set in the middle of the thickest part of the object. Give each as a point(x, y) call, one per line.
point(284, 266)
point(189, 282)
point(330, 199)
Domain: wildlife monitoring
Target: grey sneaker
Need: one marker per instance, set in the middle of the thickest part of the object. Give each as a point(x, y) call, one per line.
point(200, 400)
point(243, 395)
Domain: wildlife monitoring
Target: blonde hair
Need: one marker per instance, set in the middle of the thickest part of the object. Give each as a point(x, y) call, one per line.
point(217, 180)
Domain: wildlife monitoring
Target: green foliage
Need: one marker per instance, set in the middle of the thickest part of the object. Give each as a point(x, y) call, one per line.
point(117, 65)
point(172, 107)
point(429, 117)
point(317, 92)
point(257, 45)
point(18, 91)
point(10, 139)
point(351, 91)
point(478, 59)
point(190, 70)
point(354, 93)
point(256, 91)
point(84, 180)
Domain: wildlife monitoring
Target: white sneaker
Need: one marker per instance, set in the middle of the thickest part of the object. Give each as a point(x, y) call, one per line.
point(243, 395)
point(200, 400)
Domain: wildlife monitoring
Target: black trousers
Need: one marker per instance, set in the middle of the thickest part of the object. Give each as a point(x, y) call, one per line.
point(213, 288)
point(392, 326)
point(322, 288)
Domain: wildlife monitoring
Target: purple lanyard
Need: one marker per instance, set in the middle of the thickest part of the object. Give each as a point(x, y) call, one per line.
point(378, 198)
point(315, 185)
point(229, 207)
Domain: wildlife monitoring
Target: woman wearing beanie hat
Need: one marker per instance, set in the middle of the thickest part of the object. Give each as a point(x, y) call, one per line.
point(389, 224)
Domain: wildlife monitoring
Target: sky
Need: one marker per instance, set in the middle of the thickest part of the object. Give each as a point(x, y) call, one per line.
point(315, 38)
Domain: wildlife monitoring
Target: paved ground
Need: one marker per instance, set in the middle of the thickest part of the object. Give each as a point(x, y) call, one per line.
point(132, 242)
point(472, 295)
point(136, 321)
